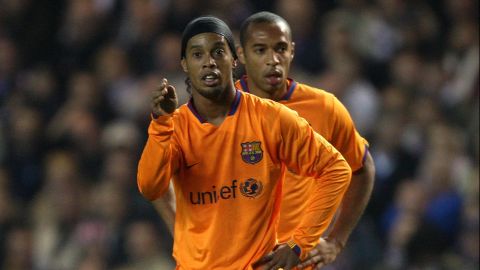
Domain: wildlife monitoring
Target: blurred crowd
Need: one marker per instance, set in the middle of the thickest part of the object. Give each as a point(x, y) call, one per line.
point(75, 82)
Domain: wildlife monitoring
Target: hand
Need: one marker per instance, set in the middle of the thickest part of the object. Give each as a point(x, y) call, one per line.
point(281, 257)
point(324, 253)
point(164, 99)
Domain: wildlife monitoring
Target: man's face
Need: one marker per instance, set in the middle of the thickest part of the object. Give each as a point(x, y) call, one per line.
point(208, 62)
point(267, 54)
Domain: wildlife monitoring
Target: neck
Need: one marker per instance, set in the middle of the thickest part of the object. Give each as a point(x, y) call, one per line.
point(273, 94)
point(214, 110)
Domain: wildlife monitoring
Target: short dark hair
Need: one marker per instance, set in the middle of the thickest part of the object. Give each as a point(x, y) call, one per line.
point(261, 17)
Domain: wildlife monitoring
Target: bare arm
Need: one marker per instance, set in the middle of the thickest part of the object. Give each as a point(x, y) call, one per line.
point(353, 205)
point(309, 154)
point(165, 206)
point(354, 202)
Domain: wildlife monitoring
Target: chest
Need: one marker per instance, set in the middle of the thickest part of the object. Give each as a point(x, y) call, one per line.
point(238, 158)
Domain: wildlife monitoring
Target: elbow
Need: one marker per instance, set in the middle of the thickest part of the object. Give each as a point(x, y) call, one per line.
point(341, 172)
point(144, 189)
point(153, 176)
point(148, 188)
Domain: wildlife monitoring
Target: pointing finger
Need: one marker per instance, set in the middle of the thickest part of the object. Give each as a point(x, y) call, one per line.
point(170, 92)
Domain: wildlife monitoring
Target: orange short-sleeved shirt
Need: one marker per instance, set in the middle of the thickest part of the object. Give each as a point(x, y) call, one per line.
point(227, 178)
point(327, 116)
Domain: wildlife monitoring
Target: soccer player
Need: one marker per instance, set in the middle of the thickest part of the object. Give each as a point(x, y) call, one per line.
point(227, 152)
point(267, 51)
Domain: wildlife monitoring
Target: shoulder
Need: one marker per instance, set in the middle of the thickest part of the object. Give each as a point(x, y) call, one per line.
point(260, 103)
point(330, 105)
point(267, 109)
point(333, 111)
point(308, 99)
point(315, 93)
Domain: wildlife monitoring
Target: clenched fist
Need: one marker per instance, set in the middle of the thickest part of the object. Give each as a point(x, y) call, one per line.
point(164, 99)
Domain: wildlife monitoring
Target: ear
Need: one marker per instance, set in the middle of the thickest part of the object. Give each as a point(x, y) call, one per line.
point(241, 54)
point(184, 65)
point(293, 50)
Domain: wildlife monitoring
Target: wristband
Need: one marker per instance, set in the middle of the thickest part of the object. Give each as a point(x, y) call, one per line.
point(293, 246)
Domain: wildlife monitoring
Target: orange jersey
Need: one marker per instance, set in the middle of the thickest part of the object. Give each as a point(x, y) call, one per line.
point(327, 116)
point(228, 178)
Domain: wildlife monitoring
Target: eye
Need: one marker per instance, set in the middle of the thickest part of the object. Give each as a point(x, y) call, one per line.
point(259, 50)
point(219, 51)
point(196, 54)
point(282, 49)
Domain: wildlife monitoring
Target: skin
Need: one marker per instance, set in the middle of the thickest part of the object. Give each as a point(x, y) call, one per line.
point(208, 64)
point(267, 55)
point(208, 54)
point(165, 206)
point(281, 258)
point(354, 203)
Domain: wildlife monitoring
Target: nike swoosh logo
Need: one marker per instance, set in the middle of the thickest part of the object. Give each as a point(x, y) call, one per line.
point(188, 166)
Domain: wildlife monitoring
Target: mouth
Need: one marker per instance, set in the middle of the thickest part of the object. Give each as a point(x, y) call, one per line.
point(211, 78)
point(274, 77)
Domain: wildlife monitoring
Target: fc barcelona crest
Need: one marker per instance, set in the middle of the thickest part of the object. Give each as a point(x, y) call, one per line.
point(252, 152)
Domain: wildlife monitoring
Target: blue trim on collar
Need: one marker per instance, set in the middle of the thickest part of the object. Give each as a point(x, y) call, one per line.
point(293, 84)
point(233, 107)
point(243, 83)
point(235, 103)
point(192, 108)
point(289, 93)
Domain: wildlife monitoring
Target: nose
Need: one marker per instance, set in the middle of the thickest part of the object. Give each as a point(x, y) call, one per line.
point(209, 62)
point(273, 58)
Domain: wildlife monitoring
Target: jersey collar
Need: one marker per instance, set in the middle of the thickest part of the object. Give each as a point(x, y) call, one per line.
point(233, 107)
point(291, 84)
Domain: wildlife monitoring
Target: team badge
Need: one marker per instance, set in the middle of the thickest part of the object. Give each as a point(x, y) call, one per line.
point(252, 152)
point(251, 188)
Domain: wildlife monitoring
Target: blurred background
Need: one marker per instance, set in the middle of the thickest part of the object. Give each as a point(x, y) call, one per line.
point(75, 80)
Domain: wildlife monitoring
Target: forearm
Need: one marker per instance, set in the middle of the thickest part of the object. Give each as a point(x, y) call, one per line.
point(322, 206)
point(156, 165)
point(328, 191)
point(354, 203)
point(165, 206)
point(308, 154)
